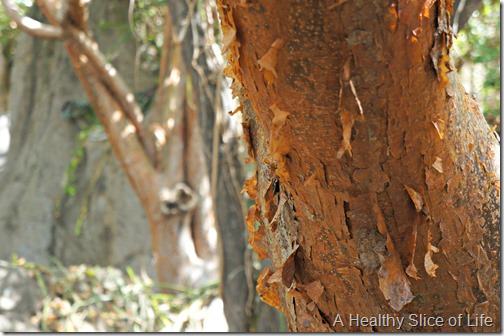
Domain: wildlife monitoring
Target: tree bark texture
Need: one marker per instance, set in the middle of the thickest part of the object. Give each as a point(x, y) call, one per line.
point(377, 187)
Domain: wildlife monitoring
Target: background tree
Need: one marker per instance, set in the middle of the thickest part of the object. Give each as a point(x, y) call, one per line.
point(176, 199)
point(377, 175)
point(477, 48)
point(187, 106)
point(60, 183)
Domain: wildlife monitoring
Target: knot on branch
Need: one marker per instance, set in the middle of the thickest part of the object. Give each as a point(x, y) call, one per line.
point(178, 199)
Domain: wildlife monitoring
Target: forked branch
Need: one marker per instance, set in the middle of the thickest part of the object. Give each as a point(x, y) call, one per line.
point(69, 21)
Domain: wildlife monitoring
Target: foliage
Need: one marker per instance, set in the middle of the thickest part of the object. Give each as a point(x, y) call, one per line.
point(80, 113)
point(91, 298)
point(8, 30)
point(147, 23)
point(479, 44)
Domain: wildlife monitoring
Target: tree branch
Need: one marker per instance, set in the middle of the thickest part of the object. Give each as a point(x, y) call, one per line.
point(463, 10)
point(118, 127)
point(111, 79)
point(167, 59)
point(29, 25)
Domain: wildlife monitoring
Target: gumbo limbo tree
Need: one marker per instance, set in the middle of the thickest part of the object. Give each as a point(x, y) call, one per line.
point(377, 186)
point(377, 181)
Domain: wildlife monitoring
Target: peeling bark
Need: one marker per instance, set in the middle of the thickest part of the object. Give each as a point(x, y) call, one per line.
point(367, 117)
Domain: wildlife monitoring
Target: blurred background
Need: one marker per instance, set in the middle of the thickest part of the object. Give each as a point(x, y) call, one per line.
point(75, 246)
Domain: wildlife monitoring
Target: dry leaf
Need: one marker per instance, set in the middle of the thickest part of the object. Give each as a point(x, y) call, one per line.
point(314, 290)
point(440, 127)
point(289, 269)
point(438, 164)
point(230, 48)
point(268, 62)
point(415, 197)
point(236, 110)
point(266, 291)
point(430, 266)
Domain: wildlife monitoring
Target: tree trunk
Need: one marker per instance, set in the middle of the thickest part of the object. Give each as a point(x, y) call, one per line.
point(206, 82)
point(462, 11)
point(33, 199)
point(111, 221)
point(377, 175)
point(4, 75)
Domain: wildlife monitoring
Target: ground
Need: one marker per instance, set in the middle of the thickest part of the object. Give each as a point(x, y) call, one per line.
point(100, 299)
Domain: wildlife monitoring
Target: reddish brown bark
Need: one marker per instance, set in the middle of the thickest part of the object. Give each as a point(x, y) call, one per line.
point(377, 175)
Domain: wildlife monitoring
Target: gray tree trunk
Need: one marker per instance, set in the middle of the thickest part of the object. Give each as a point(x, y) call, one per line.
point(243, 312)
point(3, 82)
point(37, 218)
point(228, 208)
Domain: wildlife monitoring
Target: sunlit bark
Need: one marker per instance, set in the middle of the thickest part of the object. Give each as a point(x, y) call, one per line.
point(377, 175)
